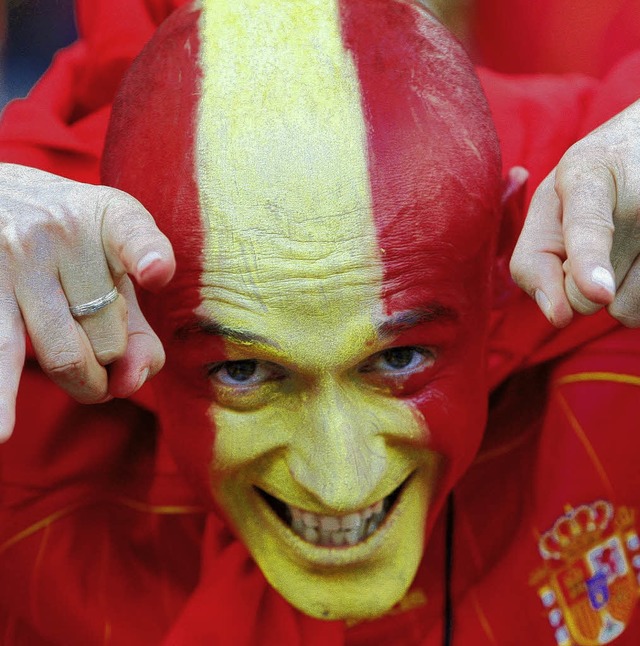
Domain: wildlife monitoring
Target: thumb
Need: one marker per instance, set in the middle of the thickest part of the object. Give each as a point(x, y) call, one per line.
point(536, 264)
point(588, 202)
point(133, 243)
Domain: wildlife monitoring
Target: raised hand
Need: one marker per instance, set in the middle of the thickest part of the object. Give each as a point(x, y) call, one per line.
point(65, 244)
point(579, 246)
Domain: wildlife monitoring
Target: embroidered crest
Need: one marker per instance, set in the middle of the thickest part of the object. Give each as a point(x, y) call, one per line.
point(590, 581)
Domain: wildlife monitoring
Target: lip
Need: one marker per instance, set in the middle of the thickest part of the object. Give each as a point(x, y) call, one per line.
point(334, 556)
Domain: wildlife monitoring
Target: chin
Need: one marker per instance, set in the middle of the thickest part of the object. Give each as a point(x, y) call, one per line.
point(359, 579)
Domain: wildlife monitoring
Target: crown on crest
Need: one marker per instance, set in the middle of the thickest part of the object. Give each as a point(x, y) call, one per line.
point(575, 530)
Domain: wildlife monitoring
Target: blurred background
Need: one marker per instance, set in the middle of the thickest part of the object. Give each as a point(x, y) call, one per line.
point(31, 32)
point(512, 36)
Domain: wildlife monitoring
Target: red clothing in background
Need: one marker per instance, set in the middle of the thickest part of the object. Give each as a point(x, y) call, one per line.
point(555, 36)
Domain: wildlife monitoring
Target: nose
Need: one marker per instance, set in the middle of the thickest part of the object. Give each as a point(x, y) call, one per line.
point(339, 453)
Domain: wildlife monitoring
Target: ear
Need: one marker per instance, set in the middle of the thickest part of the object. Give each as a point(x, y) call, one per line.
point(512, 204)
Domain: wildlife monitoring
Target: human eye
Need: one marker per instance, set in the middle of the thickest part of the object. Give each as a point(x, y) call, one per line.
point(400, 362)
point(245, 373)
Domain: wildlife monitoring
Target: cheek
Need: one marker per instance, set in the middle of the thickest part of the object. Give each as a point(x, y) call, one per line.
point(453, 397)
point(184, 398)
point(455, 410)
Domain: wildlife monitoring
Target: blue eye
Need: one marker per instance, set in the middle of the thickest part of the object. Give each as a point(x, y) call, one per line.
point(399, 358)
point(240, 371)
point(246, 372)
point(405, 360)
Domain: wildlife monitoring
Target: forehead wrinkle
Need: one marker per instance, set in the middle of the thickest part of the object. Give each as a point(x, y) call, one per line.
point(284, 183)
point(296, 273)
point(291, 245)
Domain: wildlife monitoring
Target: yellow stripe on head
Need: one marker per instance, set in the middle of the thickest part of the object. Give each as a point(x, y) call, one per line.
point(283, 166)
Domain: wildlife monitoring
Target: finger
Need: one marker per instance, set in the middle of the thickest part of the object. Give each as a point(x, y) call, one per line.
point(134, 244)
point(12, 353)
point(626, 305)
point(86, 279)
point(107, 331)
point(587, 194)
point(536, 264)
point(60, 344)
point(144, 356)
point(626, 241)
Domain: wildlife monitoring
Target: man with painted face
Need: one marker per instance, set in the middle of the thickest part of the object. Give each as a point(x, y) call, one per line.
point(330, 180)
point(329, 312)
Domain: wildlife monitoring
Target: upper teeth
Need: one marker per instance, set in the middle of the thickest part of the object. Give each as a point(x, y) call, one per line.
point(337, 530)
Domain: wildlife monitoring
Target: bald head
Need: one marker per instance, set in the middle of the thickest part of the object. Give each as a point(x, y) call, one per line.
point(283, 109)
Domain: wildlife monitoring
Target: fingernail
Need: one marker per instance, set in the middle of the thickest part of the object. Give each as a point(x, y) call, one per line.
point(600, 276)
point(143, 378)
point(147, 260)
point(543, 302)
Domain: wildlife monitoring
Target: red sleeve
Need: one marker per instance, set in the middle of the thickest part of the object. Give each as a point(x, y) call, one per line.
point(61, 126)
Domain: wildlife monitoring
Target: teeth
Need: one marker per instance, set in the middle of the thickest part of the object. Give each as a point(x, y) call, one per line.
point(309, 519)
point(352, 536)
point(337, 538)
point(338, 530)
point(329, 523)
point(353, 521)
point(310, 534)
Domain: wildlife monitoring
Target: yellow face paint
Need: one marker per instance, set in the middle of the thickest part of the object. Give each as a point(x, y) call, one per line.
point(293, 275)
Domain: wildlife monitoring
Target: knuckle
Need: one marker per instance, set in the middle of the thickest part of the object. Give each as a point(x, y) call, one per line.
point(591, 226)
point(521, 271)
point(67, 364)
point(518, 274)
point(582, 305)
point(579, 167)
point(110, 349)
point(106, 356)
point(578, 301)
point(39, 231)
point(108, 332)
point(159, 360)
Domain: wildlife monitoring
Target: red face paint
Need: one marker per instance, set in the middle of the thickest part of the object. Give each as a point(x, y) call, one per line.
point(150, 154)
point(435, 178)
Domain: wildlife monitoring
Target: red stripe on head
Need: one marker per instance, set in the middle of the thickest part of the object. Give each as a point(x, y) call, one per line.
point(150, 154)
point(435, 175)
point(149, 151)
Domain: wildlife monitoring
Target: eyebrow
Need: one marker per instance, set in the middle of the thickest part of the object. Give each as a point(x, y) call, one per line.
point(213, 328)
point(402, 321)
point(391, 326)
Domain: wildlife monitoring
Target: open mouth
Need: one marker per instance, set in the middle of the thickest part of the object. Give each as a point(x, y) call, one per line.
point(334, 531)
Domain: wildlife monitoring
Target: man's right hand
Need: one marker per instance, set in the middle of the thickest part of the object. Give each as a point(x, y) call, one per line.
point(63, 243)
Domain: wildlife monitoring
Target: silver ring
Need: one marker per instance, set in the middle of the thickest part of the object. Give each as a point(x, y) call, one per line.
point(94, 306)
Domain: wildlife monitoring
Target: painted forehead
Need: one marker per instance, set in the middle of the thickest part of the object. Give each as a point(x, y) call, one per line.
point(327, 138)
point(342, 141)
